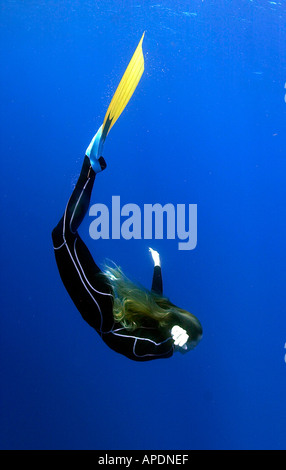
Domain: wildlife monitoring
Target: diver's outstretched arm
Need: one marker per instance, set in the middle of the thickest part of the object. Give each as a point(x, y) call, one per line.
point(157, 282)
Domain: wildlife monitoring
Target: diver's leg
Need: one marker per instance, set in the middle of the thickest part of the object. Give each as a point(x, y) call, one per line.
point(85, 283)
point(78, 203)
point(81, 276)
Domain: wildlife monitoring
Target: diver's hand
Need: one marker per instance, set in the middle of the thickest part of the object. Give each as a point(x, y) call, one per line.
point(180, 336)
point(155, 256)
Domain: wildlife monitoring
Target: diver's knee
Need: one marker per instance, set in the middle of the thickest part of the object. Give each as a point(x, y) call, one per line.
point(57, 234)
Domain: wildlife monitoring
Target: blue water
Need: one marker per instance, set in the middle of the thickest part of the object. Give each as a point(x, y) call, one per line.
point(206, 125)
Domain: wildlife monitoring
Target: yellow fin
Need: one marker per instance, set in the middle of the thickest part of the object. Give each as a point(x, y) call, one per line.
point(125, 89)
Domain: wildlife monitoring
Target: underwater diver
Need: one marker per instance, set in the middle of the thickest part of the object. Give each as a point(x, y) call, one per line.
point(141, 324)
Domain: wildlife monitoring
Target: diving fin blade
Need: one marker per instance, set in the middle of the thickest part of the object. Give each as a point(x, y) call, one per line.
point(121, 97)
point(125, 89)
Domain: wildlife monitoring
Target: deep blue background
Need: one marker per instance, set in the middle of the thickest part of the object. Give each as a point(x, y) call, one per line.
point(207, 126)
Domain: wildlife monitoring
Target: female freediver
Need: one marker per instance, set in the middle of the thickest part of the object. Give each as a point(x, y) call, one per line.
point(138, 323)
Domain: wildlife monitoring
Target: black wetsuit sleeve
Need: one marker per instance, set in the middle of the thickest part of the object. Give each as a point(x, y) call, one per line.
point(157, 282)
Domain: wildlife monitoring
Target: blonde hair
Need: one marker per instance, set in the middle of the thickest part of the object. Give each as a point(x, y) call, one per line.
point(135, 306)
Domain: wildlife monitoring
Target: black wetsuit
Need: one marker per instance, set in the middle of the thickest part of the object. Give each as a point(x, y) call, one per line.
point(90, 289)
